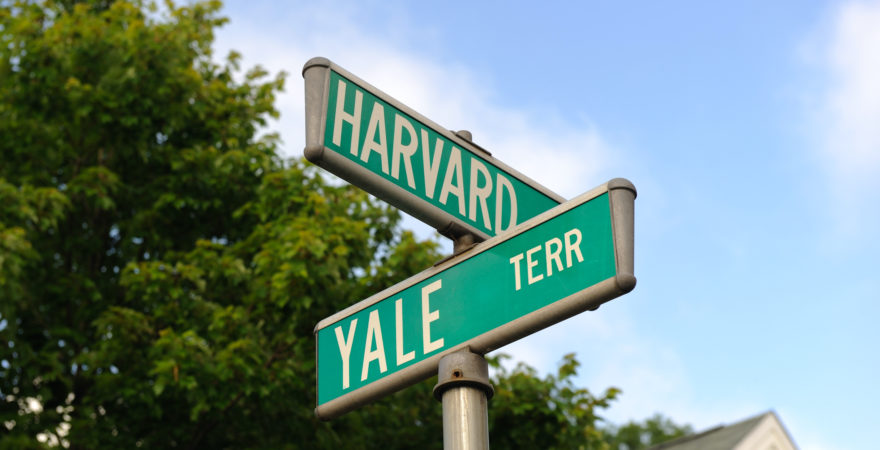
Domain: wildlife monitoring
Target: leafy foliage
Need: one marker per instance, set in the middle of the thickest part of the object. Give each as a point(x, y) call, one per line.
point(546, 413)
point(641, 435)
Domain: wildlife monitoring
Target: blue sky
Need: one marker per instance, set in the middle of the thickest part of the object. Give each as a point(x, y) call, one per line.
point(752, 132)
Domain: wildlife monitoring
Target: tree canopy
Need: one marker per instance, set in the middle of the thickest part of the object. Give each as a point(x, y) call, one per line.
point(640, 435)
point(162, 268)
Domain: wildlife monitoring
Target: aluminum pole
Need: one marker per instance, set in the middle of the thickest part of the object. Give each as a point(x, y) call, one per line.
point(464, 389)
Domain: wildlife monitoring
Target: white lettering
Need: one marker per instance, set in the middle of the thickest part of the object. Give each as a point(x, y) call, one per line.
point(515, 261)
point(453, 168)
point(429, 316)
point(345, 350)
point(376, 127)
point(342, 116)
point(374, 332)
point(398, 332)
point(573, 247)
point(401, 151)
point(431, 165)
point(553, 255)
point(530, 264)
point(502, 184)
point(479, 194)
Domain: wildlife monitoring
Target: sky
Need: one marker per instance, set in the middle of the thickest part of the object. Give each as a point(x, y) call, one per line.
point(751, 130)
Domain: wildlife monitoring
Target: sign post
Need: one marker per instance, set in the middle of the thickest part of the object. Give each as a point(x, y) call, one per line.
point(464, 389)
point(567, 260)
point(542, 260)
point(442, 178)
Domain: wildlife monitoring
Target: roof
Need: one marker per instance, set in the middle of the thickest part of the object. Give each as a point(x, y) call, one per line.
point(727, 437)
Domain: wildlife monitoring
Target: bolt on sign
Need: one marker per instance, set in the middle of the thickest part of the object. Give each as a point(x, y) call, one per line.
point(382, 146)
point(569, 259)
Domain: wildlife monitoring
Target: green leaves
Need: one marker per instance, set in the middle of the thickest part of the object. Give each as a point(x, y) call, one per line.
point(558, 414)
point(26, 215)
point(641, 435)
point(34, 209)
point(95, 187)
point(127, 152)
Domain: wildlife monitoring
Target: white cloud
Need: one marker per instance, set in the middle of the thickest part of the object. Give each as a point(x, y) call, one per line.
point(854, 101)
point(848, 122)
point(548, 148)
point(551, 150)
point(613, 352)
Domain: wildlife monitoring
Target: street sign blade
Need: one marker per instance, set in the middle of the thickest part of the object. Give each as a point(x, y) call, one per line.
point(567, 260)
point(375, 142)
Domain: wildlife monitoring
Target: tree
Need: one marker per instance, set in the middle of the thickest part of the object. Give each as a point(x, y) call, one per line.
point(641, 435)
point(162, 269)
point(545, 413)
point(159, 263)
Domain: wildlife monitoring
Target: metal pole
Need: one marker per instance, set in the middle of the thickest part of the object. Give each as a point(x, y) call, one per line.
point(463, 385)
point(464, 389)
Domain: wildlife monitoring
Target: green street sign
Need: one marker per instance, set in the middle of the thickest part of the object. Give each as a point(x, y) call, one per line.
point(565, 261)
point(380, 145)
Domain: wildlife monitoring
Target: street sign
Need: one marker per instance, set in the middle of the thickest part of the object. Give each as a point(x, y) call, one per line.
point(380, 145)
point(565, 261)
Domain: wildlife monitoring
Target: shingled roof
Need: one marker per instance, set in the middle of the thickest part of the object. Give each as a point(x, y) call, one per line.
point(764, 431)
